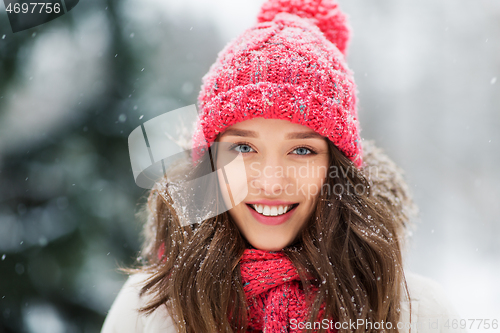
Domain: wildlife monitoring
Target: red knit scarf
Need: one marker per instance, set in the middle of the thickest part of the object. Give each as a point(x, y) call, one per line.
point(272, 287)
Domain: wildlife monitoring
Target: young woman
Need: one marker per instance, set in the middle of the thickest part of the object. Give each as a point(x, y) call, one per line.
point(314, 242)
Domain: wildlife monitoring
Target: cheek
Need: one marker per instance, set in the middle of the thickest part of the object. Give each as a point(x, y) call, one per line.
point(233, 182)
point(313, 182)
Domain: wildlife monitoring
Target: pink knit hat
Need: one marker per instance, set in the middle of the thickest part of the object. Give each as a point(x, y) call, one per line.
point(291, 65)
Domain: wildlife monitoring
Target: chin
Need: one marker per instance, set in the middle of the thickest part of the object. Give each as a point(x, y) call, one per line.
point(269, 248)
point(269, 244)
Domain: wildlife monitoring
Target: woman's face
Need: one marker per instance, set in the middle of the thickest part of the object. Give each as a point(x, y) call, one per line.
point(286, 166)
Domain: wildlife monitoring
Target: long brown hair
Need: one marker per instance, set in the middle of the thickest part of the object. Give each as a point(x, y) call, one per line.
point(351, 245)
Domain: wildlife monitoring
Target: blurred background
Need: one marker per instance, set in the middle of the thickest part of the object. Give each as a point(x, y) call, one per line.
point(72, 90)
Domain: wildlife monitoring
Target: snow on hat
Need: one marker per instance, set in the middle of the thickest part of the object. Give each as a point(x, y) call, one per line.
point(290, 65)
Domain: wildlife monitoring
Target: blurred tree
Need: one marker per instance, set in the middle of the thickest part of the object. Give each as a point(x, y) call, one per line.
point(67, 196)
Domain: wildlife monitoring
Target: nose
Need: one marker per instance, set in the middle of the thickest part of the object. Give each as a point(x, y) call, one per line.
point(268, 178)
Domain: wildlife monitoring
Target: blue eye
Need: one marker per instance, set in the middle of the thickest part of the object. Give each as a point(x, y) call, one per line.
point(243, 148)
point(303, 151)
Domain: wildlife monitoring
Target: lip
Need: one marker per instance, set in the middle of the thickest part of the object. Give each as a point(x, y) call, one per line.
point(271, 220)
point(271, 203)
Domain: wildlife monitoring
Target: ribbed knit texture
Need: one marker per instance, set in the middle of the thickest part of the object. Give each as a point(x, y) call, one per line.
point(289, 66)
point(326, 15)
point(272, 287)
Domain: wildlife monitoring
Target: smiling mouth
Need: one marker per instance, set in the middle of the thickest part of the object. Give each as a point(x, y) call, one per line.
point(271, 211)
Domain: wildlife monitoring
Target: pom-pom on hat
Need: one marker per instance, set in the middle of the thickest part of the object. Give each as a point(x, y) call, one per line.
point(291, 65)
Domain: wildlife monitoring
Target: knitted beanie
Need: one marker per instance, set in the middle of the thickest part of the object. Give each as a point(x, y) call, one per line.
point(290, 65)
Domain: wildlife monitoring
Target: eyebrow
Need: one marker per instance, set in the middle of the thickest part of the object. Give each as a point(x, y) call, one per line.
point(289, 136)
point(239, 132)
point(304, 135)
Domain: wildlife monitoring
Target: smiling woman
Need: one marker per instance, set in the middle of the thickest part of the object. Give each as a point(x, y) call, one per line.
point(317, 237)
point(278, 203)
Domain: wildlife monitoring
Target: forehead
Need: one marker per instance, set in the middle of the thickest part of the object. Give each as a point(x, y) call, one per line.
point(261, 127)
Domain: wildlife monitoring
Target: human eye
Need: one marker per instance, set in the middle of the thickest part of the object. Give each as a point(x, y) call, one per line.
point(303, 151)
point(241, 148)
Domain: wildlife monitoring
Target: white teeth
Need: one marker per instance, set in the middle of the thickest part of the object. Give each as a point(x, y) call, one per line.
point(271, 210)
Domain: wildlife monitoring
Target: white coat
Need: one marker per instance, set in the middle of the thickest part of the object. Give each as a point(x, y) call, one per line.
point(430, 310)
